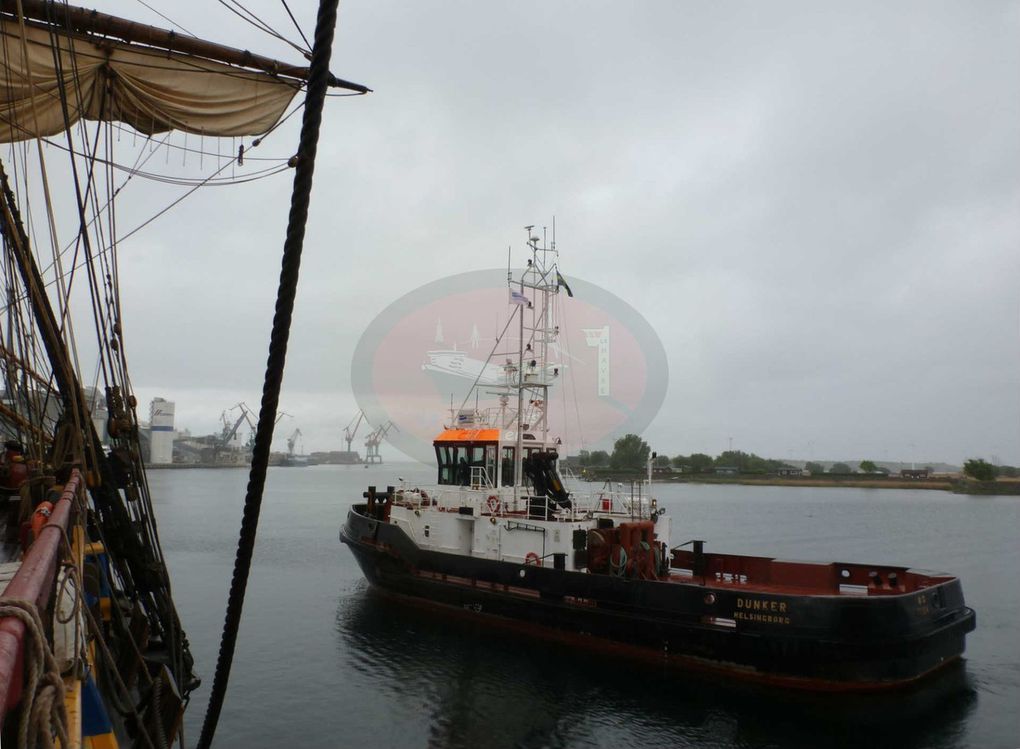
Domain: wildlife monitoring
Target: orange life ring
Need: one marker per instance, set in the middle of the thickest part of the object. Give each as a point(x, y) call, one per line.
point(41, 517)
point(532, 558)
point(494, 504)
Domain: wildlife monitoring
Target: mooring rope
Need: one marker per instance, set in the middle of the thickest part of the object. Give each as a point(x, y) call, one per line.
point(318, 80)
point(43, 711)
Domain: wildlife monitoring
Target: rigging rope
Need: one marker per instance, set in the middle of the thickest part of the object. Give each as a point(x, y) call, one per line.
point(248, 17)
point(166, 18)
point(43, 711)
point(318, 80)
point(296, 24)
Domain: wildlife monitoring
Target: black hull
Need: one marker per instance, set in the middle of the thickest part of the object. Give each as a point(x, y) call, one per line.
point(816, 642)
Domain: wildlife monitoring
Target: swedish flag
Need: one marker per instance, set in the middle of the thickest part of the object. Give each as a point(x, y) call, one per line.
point(561, 282)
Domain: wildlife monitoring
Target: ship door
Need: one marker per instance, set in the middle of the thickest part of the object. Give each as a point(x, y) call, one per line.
point(507, 467)
point(490, 464)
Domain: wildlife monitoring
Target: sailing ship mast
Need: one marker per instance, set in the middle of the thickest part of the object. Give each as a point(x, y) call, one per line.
point(85, 21)
point(61, 66)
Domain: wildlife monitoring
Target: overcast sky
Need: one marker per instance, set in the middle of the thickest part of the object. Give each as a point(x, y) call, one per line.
point(815, 205)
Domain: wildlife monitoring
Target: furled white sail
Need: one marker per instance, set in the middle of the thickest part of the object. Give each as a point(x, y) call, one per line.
point(151, 90)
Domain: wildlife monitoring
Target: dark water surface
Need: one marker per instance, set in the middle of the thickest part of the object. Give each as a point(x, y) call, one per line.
point(323, 661)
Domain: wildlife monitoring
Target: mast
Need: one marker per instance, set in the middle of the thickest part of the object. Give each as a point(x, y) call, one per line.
point(290, 266)
point(519, 446)
point(536, 277)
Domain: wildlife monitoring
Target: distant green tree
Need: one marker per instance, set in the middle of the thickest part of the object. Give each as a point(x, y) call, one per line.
point(748, 462)
point(815, 469)
point(662, 461)
point(679, 462)
point(599, 458)
point(1010, 472)
point(840, 468)
point(736, 458)
point(868, 466)
point(699, 462)
point(630, 452)
point(979, 469)
point(584, 458)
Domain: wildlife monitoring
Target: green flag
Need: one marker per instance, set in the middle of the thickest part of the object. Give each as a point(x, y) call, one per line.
point(561, 282)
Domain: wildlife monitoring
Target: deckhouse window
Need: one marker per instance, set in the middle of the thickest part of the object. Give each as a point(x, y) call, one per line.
point(447, 463)
point(456, 461)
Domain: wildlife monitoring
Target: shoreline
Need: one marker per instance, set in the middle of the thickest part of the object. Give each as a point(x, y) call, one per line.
point(954, 485)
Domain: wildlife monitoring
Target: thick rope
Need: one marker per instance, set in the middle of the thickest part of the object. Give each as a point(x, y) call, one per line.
point(43, 711)
point(318, 80)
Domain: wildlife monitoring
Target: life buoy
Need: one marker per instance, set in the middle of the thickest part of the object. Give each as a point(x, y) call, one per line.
point(532, 558)
point(41, 517)
point(494, 504)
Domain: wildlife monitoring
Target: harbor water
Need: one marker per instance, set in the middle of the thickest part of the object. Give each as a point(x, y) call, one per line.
point(324, 661)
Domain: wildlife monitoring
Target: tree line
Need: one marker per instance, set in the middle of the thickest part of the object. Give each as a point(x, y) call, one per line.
point(630, 453)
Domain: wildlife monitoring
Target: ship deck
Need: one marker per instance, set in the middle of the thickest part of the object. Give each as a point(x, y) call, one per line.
point(787, 577)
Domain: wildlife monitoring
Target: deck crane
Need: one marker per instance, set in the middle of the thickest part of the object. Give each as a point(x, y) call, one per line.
point(350, 432)
point(373, 440)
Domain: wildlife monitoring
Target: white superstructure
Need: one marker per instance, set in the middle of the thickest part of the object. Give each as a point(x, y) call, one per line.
point(499, 494)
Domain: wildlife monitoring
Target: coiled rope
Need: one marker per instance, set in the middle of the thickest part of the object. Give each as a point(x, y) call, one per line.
point(43, 711)
point(318, 80)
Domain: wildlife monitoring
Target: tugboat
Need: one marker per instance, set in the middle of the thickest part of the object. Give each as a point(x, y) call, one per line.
point(501, 538)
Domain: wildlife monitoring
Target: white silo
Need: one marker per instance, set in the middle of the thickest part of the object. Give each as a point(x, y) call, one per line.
point(161, 431)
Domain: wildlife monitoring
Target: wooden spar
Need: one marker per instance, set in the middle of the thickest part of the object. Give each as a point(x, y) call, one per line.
point(21, 421)
point(77, 19)
point(33, 582)
point(14, 359)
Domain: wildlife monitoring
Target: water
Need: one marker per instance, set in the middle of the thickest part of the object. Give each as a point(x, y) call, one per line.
point(323, 661)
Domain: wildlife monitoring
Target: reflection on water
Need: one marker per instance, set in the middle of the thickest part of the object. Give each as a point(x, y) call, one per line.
point(322, 662)
point(477, 686)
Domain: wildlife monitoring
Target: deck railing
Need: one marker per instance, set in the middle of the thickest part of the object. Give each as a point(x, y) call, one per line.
point(34, 581)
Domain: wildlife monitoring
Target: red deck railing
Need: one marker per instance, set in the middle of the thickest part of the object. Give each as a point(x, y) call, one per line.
point(34, 582)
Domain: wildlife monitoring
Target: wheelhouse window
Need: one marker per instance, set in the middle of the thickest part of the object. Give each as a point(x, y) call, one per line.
point(456, 461)
point(447, 462)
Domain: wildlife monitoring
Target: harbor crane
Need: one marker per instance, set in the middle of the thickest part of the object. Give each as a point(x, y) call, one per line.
point(350, 432)
point(292, 441)
point(229, 430)
point(373, 440)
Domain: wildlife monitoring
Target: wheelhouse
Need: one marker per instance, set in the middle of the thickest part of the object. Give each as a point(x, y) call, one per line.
point(482, 457)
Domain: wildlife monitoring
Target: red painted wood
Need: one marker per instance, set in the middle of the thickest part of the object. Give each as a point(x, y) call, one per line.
point(34, 582)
